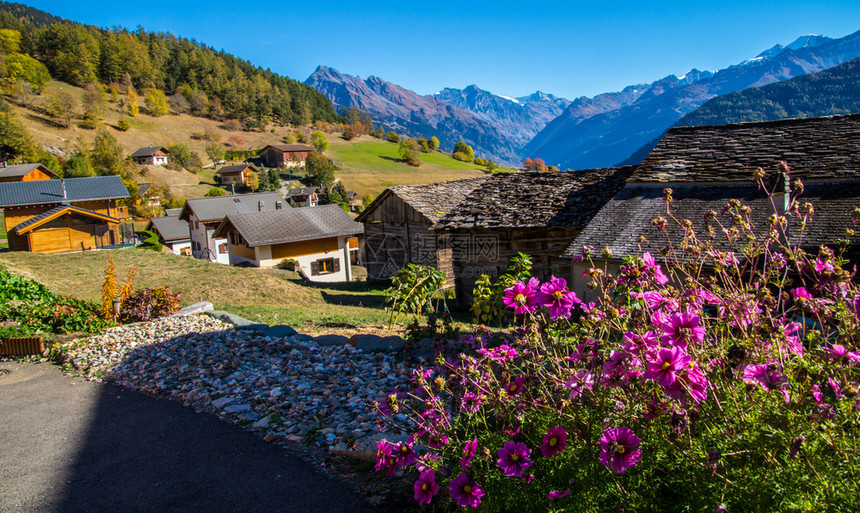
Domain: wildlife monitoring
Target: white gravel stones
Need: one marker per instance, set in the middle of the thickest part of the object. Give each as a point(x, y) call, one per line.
point(286, 388)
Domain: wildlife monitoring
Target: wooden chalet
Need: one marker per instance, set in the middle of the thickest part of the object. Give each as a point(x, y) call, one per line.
point(285, 155)
point(320, 240)
point(151, 156)
point(399, 224)
point(57, 216)
point(173, 233)
point(26, 173)
point(536, 213)
point(237, 174)
point(708, 166)
point(303, 196)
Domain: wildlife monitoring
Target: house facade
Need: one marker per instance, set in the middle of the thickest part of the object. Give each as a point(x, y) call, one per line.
point(205, 214)
point(320, 240)
point(285, 155)
point(173, 232)
point(708, 166)
point(25, 173)
point(303, 196)
point(151, 156)
point(236, 175)
point(58, 216)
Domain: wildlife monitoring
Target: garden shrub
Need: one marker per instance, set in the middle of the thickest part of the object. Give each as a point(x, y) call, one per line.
point(150, 303)
point(723, 379)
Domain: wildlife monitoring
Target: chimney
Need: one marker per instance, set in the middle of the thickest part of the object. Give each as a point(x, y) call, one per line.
point(63, 186)
point(278, 205)
point(261, 205)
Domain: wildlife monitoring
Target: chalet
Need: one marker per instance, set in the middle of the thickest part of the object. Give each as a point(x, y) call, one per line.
point(205, 214)
point(147, 195)
point(26, 173)
point(57, 216)
point(303, 196)
point(537, 213)
point(151, 156)
point(320, 240)
point(172, 232)
point(708, 166)
point(285, 155)
point(354, 201)
point(399, 224)
point(237, 174)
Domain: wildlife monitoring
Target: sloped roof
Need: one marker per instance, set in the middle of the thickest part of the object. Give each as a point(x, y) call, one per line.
point(432, 200)
point(149, 151)
point(628, 215)
point(302, 191)
point(215, 208)
point(58, 210)
point(21, 170)
point(815, 148)
point(291, 225)
point(39, 192)
point(532, 199)
point(289, 147)
point(171, 228)
point(235, 169)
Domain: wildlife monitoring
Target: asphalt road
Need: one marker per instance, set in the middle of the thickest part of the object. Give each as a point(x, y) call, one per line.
point(68, 445)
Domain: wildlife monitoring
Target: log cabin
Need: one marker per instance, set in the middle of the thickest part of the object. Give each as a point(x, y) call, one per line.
point(25, 173)
point(58, 216)
point(399, 224)
point(320, 240)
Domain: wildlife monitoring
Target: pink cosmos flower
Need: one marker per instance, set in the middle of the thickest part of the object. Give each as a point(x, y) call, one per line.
point(500, 354)
point(427, 461)
point(437, 440)
point(653, 267)
point(554, 295)
point(822, 266)
point(471, 402)
point(514, 458)
point(465, 491)
point(515, 387)
point(553, 442)
point(655, 300)
point(426, 487)
point(768, 376)
point(619, 449)
point(683, 328)
point(666, 365)
point(691, 383)
point(468, 453)
point(557, 494)
point(639, 343)
point(386, 459)
point(581, 380)
point(839, 354)
point(405, 454)
point(522, 297)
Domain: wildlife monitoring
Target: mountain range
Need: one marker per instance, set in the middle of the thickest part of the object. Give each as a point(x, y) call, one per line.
point(604, 130)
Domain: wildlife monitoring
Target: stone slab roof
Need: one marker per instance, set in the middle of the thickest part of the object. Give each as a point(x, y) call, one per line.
point(302, 191)
point(537, 199)
point(627, 216)
point(215, 208)
point(432, 200)
point(823, 148)
point(291, 225)
point(39, 192)
point(21, 170)
point(171, 228)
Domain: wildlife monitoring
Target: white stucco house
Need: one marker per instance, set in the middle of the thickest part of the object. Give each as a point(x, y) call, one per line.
point(172, 232)
point(320, 240)
point(205, 214)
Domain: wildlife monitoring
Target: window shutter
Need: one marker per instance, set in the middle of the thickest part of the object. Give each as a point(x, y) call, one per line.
point(315, 268)
point(335, 265)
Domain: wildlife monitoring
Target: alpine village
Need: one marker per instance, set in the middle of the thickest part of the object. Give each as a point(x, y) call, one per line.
point(223, 289)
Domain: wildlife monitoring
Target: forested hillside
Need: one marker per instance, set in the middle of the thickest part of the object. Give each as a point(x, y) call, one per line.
point(833, 91)
point(160, 66)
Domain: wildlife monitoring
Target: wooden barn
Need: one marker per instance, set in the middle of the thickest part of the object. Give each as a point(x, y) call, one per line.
point(399, 224)
point(25, 173)
point(537, 213)
point(57, 216)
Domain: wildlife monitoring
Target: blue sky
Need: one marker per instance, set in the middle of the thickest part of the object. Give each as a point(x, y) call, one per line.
point(569, 49)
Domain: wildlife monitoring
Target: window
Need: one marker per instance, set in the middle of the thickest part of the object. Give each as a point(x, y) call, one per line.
point(185, 251)
point(222, 248)
point(325, 266)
